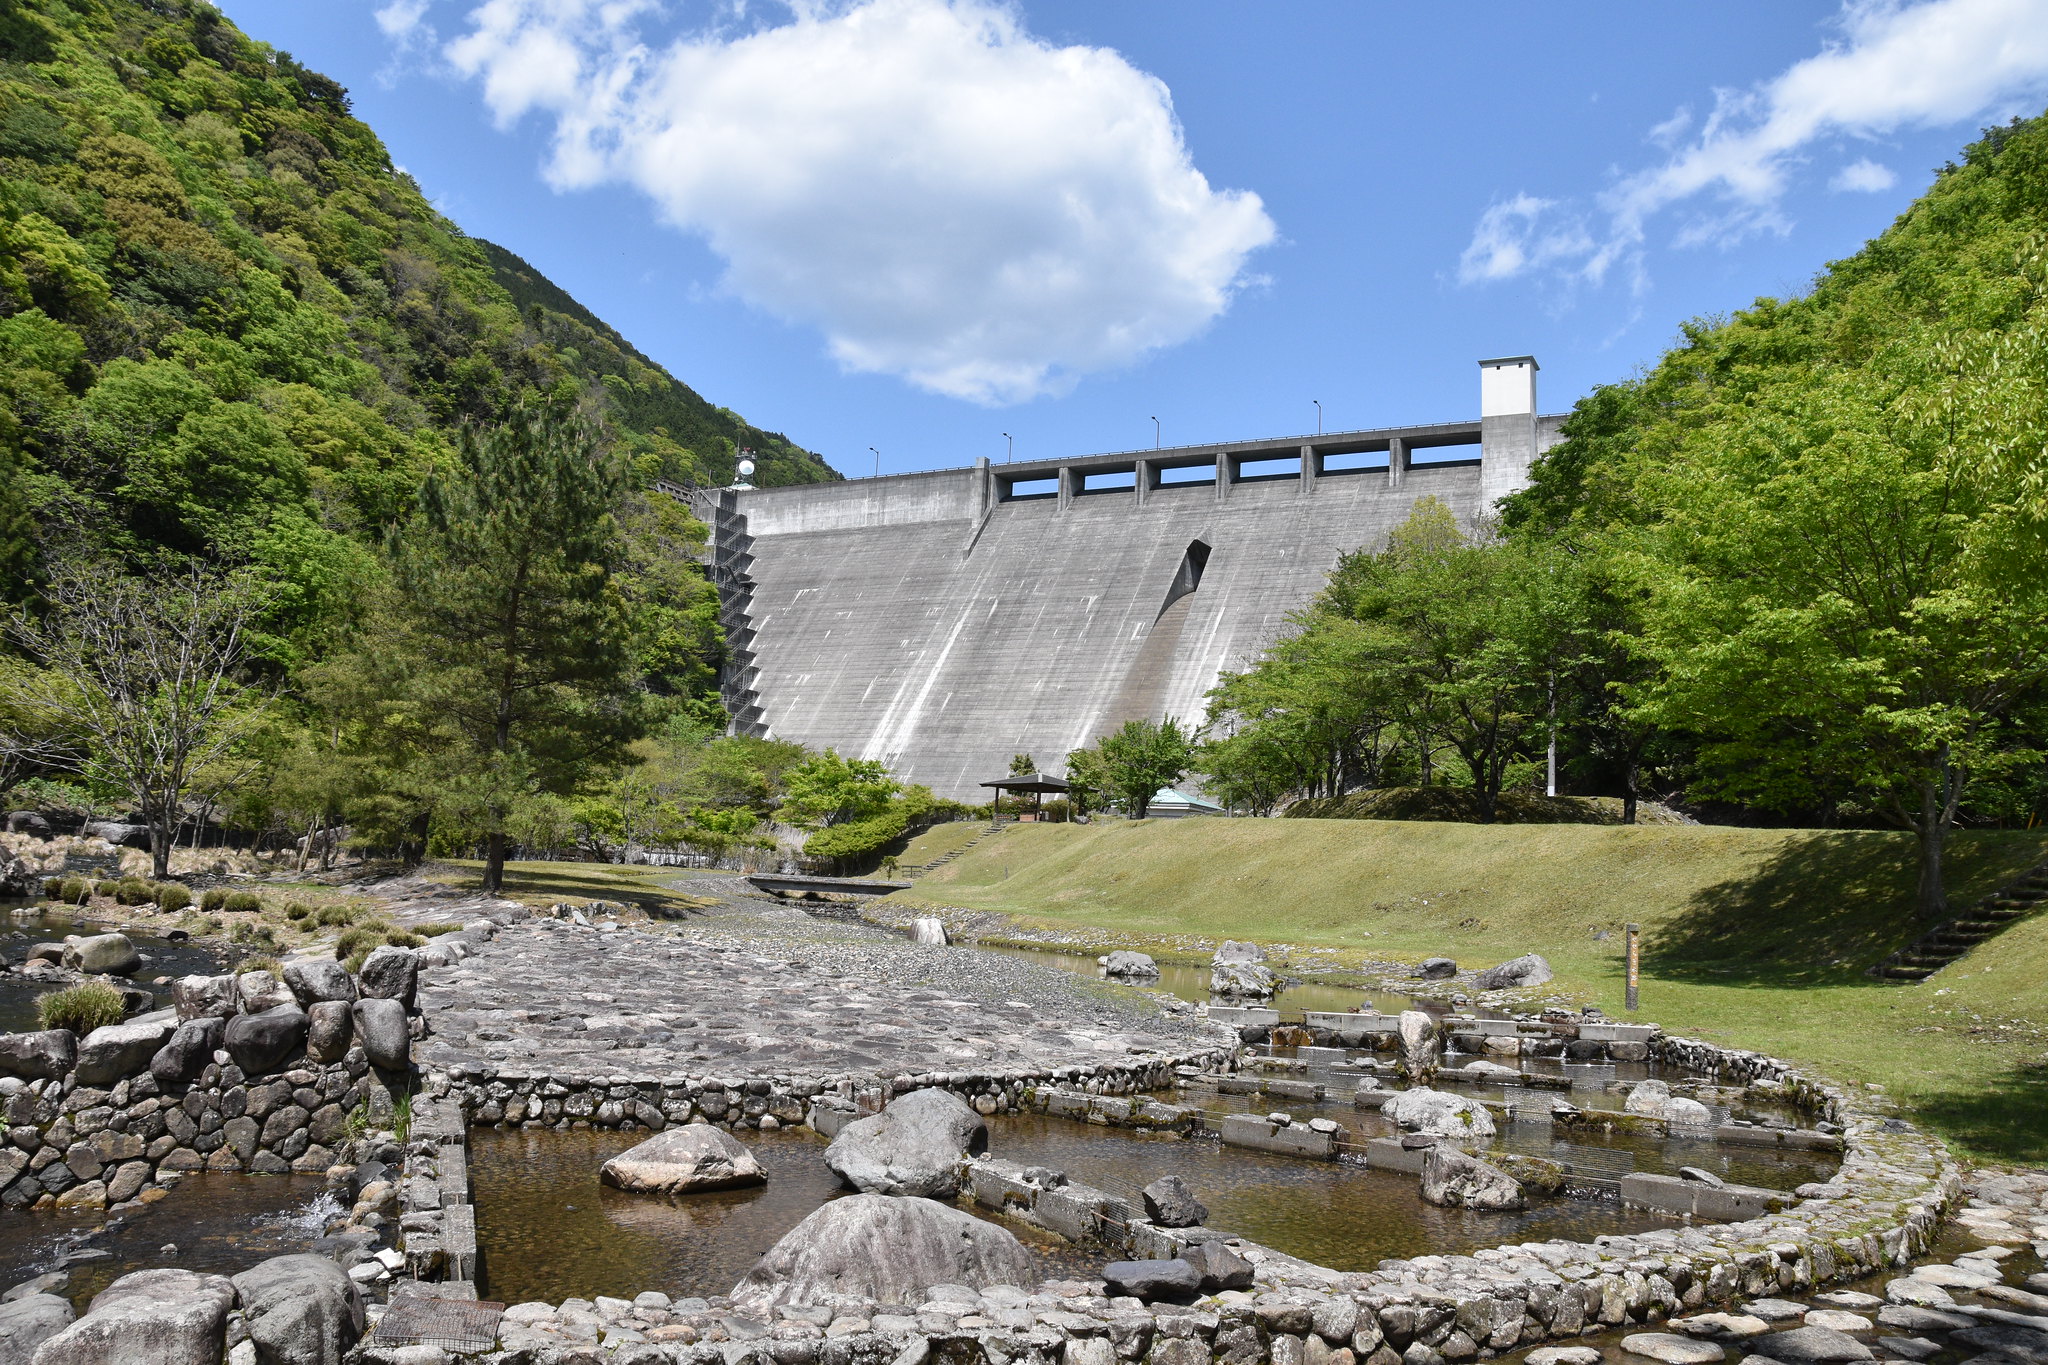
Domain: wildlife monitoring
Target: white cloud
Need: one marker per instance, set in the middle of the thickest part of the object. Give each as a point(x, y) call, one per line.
point(947, 197)
point(1511, 239)
point(1865, 176)
point(1896, 66)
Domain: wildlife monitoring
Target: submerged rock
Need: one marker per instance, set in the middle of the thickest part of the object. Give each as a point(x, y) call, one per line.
point(912, 1147)
point(687, 1160)
point(872, 1247)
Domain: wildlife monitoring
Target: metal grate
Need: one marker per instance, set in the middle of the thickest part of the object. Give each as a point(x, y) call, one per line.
point(458, 1325)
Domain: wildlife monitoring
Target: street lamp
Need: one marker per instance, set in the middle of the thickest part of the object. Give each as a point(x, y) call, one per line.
point(1155, 433)
point(878, 462)
point(1011, 450)
point(1319, 414)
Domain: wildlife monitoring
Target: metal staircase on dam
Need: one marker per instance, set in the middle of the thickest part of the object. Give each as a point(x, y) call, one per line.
point(731, 565)
point(1951, 939)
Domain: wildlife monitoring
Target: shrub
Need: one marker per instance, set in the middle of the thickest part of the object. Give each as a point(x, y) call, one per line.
point(213, 898)
point(134, 891)
point(242, 931)
point(356, 944)
point(436, 929)
point(335, 916)
point(297, 910)
point(399, 938)
point(81, 1008)
point(262, 964)
point(242, 903)
point(53, 888)
point(173, 897)
point(76, 890)
point(103, 887)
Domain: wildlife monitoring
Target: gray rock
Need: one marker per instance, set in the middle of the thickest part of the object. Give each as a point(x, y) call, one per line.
point(1672, 1349)
point(382, 1032)
point(152, 1317)
point(1517, 974)
point(912, 1147)
point(301, 1310)
point(1775, 1310)
point(1722, 1326)
point(1242, 981)
point(1912, 1318)
point(870, 1246)
point(1451, 1179)
point(390, 974)
point(1436, 969)
point(109, 1054)
point(1911, 1348)
point(102, 955)
point(1234, 951)
point(692, 1158)
point(1126, 965)
point(1812, 1346)
point(28, 1322)
point(260, 1043)
point(1422, 1110)
point(1171, 1204)
point(928, 931)
point(1701, 1177)
point(1218, 1268)
point(28, 822)
point(329, 1028)
point(1174, 1281)
point(190, 1047)
point(1422, 1043)
point(199, 996)
point(1563, 1355)
point(45, 1055)
point(261, 992)
point(319, 979)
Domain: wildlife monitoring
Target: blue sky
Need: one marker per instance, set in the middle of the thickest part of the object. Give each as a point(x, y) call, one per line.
point(915, 225)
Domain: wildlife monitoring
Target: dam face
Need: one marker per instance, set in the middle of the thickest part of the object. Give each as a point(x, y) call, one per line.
point(943, 621)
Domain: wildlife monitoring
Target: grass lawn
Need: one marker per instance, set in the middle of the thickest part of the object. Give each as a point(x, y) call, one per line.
point(543, 884)
point(1754, 938)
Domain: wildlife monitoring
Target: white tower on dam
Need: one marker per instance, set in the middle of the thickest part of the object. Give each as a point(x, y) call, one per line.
point(943, 621)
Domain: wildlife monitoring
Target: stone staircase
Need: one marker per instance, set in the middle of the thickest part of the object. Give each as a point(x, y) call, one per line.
point(995, 827)
point(1949, 940)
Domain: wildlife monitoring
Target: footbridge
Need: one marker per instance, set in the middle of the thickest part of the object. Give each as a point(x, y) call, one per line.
point(942, 621)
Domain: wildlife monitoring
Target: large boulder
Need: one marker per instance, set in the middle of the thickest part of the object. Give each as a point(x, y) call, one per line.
point(390, 974)
point(871, 1247)
point(260, 1043)
point(42, 1056)
point(301, 1310)
point(117, 833)
point(191, 1047)
point(381, 1029)
point(330, 1025)
point(1820, 1346)
point(28, 822)
point(686, 1160)
point(199, 996)
point(109, 1054)
point(1125, 965)
point(1171, 1204)
point(1238, 972)
point(1452, 1179)
point(321, 978)
point(1170, 1280)
point(28, 1322)
point(1218, 1267)
point(102, 955)
point(912, 1147)
point(1516, 974)
point(152, 1317)
point(1422, 1110)
point(928, 931)
point(17, 878)
point(1422, 1043)
point(1436, 969)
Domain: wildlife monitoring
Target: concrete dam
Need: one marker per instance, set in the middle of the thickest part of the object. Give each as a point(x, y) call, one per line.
point(943, 621)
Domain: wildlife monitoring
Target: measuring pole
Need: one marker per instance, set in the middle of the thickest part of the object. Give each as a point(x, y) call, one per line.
point(1635, 963)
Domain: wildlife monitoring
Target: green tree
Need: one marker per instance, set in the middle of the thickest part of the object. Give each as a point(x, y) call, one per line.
point(1088, 787)
point(1022, 765)
point(1141, 758)
point(509, 626)
point(826, 790)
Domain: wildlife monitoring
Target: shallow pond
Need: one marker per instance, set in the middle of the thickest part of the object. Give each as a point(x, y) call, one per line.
point(546, 1228)
point(219, 1223)
point(22, 926)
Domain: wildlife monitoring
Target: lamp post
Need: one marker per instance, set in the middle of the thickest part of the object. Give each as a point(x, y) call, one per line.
point(878, 462)
point(1319, 414)
point(1010, 450)
point(1155, 433)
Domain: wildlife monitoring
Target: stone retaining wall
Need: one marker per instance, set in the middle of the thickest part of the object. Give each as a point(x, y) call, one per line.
point(1883, 1208)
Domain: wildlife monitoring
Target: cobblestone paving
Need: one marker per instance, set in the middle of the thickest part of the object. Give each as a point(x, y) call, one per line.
point(752, 986)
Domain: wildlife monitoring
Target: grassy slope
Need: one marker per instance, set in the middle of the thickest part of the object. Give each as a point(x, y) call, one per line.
point(540, 885)
point(1757, 938)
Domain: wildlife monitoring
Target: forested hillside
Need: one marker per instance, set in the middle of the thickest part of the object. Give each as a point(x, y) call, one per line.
point(313, 508)
point(1796, 572)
